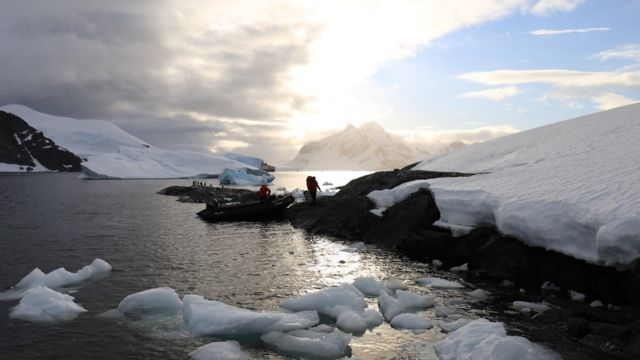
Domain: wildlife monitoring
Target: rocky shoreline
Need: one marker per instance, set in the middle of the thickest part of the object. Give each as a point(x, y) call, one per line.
point(202, 194)
point(492, 258)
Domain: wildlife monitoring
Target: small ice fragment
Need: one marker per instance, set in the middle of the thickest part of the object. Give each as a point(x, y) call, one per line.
point(479, 294)
point(436, 263)
point(330, 302)
point(355, 247)
point(576, 296)
point(536, 307)
point(372, 318)
point(389, 306)
point(162, 301)
point(309, 343)
point(43, 305)
point(507, 283)
point(596, 303)
point(220, 350)
point(452, 326)
point(351, 322)
point(368, 286)
point(411, 321)
point(440, 283)
point(461, 268)
point(379, 212)
point(395, 284)
point(548, 285)
point(409, 300)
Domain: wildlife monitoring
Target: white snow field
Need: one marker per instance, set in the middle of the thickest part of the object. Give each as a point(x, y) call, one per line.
point(57, 279)
point(220, 350)
point(43, 305)
point(572, 187)
point(162, 300)
point(316, 343)
point(482, 339)
point(209, 317)
point(112, 153)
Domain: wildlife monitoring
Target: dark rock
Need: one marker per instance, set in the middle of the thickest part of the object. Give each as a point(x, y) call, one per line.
point(206, 194)
point(21, 144)
point(578, 327)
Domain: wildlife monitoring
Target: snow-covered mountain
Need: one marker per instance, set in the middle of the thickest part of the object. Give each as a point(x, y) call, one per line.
point(23, 148)
point(368, 147)
point(111, 153)
point(571, 187)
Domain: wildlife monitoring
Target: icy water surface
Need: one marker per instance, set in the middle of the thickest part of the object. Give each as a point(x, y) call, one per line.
point(151, 240)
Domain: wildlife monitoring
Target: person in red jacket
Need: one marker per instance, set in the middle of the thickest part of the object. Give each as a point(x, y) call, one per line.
point(264, 194)
point(313, 187)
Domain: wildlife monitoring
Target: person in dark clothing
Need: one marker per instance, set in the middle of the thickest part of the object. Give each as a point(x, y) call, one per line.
point(264, 194)
point(313, 187)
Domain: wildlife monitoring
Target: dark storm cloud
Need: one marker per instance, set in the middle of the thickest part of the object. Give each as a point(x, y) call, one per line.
point(145, 64)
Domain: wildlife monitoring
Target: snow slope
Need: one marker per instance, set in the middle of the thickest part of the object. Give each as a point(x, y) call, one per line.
point(368, 147)
point(112, 153)
point(571, 187)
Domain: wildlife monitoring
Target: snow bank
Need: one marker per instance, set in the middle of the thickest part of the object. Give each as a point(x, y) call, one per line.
point(572, 187)
point(162, 300)
point(388, 197)
point(245, 176)
point(314, 344)
point(153, 163)
point(208, 317)
point(43, 305)
point(440, 283)
point(220, 350)
point(482, 339)
point(57, 278)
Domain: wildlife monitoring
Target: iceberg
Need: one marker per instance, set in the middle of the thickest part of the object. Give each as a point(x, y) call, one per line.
point(245, 176)
point(43, 305)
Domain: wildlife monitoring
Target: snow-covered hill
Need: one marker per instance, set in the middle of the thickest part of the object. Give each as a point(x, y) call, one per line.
point(368, 147)
point(111, 153)
point(571, 187)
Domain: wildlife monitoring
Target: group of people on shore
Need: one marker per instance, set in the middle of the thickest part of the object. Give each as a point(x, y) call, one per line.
point(312, 186)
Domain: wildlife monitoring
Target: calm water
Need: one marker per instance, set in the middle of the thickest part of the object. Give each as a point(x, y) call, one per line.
point(151, 240)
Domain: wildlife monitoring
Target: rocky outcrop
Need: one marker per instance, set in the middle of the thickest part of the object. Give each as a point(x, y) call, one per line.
point(22, 145)
point(206, 194)
point(491, 257)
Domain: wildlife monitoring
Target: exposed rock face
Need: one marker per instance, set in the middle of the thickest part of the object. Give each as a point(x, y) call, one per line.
point(205, 194)
point(22, 145)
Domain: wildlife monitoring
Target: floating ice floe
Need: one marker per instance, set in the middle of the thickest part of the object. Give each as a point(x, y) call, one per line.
point(482, 339)
point(57, 279)
point(312, 343)
point(411, 322)
point(479, 294)
point(220, 350)
point(368, 286)
point(343, 303)
point(355, 247)
point(405, 301)
point(395, 284)
point(523, 306)
point(596, 304)
point(461, 268)
point(209, 317)
point(43, 305)
point(451, 326)
point(163, 301)
point(440, 283)
point(548, 285)
point(245, 176)
point(576, 296)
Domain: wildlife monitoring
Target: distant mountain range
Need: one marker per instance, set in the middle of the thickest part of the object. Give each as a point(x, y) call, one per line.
point(368, 147)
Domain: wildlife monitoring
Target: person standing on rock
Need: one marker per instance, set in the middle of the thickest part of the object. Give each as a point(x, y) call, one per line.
point(313, 187)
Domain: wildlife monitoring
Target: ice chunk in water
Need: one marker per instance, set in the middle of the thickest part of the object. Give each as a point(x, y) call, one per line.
point(209, 317)
point(411, 321)
point(309, 343)
point(452, 326)
point(368, 286)
point(351, 322)
point(440, 283)
point(409, 300)
point(479, 294)
point(536, 307)
point(220, 350)
point(406, 301)
point(57, 278)
point(482, 339)
point(163, 301)
point(330, 302)
point(395, 284)
point(43, 305)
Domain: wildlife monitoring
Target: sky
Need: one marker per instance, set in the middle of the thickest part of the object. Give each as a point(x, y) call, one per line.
point(265, 77)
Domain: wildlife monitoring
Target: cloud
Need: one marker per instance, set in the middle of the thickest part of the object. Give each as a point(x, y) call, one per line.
point(547, 32)
point(548, 7)
point(434, 141)
point(496, 94)
point(631, 52)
